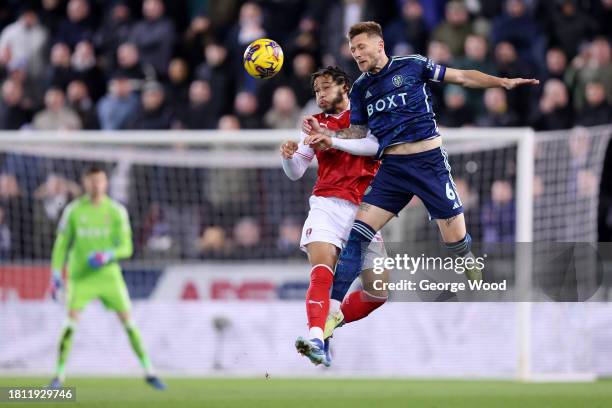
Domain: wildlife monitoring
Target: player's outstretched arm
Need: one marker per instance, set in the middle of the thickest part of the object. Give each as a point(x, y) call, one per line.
point(310, 126)
point(367, 146)
point(476, 79)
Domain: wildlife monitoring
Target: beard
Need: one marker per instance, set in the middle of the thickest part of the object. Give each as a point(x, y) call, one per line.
point(334, 104)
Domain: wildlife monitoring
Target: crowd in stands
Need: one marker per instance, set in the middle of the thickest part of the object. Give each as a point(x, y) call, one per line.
point(131, 64)
point(155, 65)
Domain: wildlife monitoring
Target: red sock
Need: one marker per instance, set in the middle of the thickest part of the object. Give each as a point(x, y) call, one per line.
point(317, 296)
point(359, 304)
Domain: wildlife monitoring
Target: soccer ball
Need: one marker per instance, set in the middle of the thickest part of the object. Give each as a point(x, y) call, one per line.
point(263, 58)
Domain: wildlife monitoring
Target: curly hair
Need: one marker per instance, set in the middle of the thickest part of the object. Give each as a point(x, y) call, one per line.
point(336, 73)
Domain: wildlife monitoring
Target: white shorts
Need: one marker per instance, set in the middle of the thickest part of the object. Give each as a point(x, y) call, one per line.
point(330, 219)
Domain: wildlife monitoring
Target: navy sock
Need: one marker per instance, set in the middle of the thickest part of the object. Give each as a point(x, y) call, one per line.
point(351, 259)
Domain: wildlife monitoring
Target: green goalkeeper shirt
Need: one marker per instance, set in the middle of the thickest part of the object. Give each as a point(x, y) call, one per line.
point(86, 228)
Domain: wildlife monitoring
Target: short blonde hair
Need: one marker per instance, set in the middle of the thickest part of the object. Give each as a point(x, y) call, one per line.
point(368, 27)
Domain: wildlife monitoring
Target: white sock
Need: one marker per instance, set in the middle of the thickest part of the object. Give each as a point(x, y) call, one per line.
point(334, 306)
point(315, 333)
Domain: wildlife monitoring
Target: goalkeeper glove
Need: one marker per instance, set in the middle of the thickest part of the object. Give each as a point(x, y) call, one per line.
point(56, 284)
point(100, 258)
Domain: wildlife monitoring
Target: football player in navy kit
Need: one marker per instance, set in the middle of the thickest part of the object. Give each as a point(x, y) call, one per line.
point(392, 101)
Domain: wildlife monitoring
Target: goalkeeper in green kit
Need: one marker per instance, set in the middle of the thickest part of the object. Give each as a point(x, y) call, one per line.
point(94, 232)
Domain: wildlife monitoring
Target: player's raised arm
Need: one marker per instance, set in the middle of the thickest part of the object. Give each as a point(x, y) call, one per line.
point(475, 79)
point(296, 158)
point(366, 146)
point(311, 127)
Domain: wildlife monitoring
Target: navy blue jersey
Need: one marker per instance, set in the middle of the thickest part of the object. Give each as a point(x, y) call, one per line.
point(395, 103)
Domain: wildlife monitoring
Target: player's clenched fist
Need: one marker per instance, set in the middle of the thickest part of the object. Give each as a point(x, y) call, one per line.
point(310, 125)
point(288, 148)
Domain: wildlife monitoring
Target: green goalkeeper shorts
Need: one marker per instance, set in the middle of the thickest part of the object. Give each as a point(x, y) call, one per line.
point(112, 291)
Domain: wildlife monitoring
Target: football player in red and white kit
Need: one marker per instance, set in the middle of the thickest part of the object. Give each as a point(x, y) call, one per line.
point(345, 171)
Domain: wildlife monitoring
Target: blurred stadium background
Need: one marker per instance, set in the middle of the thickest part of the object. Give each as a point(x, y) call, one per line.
point(155, 92)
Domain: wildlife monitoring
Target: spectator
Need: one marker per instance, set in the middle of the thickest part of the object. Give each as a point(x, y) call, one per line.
point(498, 214)
point(153, 113)
point(213, 243)
point(13, 115)
point(178, 84)
point(408, 33)
point(247, 239)
point(556, 63)
point(119, 105)
point(19, 216)
point(60, 72)
point(196, 37)
point(56, 115)
point(339, 16)
point(199, 112)
point(154, 36)
point(594, 64)
point(51, 14)
point(289, 235)
point(475, 58)
point(498, 113)
point(128, 63)
point(603, 13)
point(78, 26)
point(9, 187)
point(217, 71)
point(519, 29)
point(114, 31)
point(248, 29)
point(85, 68)
point(554, 111)
point(80, 100)
point(305, 39)
point(23, 42)
point(228, 122)
point(597, 110)
point(245, 106)
point(455, 29)
point(156, 235)
point(285, 112)
point(509, 65)
point(457, 112)
point(570, 26)
point(50, 198)
point(303, 67)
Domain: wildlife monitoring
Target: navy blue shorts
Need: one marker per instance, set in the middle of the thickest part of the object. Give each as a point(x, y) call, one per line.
point(426, 175)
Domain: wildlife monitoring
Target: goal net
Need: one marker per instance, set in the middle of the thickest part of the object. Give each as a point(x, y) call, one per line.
point(215, 219)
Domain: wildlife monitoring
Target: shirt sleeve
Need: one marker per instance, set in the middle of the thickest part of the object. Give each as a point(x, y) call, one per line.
point(367, 146)
point(296, 166)
point(122, 235)
point(359, 115)
point(65, 233)
point(431, 71)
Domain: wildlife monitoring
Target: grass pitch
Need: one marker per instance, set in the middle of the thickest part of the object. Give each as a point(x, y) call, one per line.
point(309, 393)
